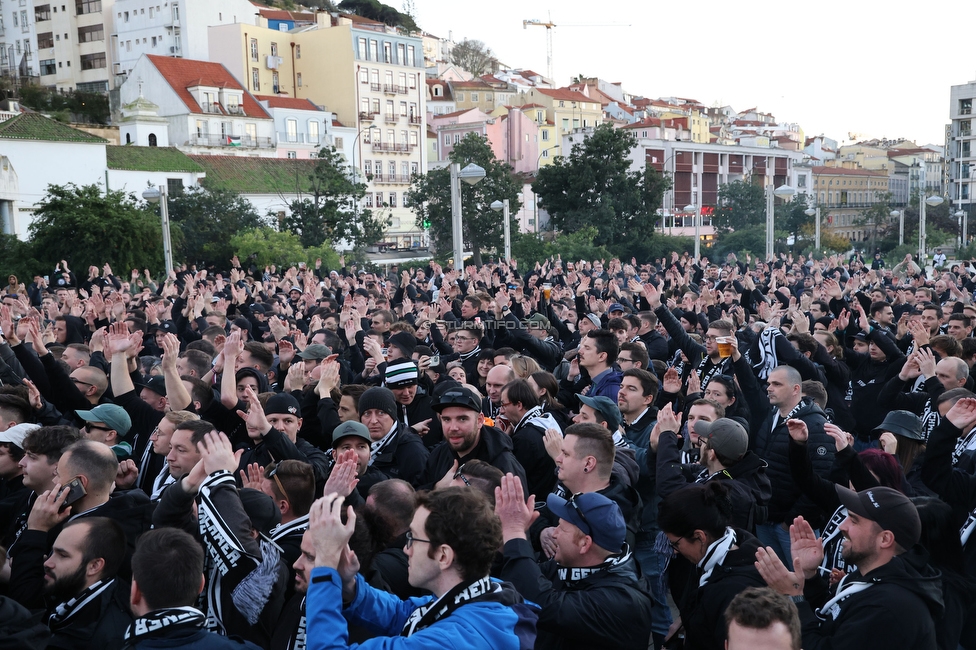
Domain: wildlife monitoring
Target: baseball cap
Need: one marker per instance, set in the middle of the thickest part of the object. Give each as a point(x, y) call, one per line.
point(902, 423)
point(605, 407)
point(456, 397)
point(156, 384)
point(15, 435)
point(112, 415)
point(538, 318)
point(282, 404)
point(888, 508)
point(593, 318)
point(350, 428)
point(315, 351)
point(401, 374)
point(595, 515)
point(724, 436)
point(615, 307)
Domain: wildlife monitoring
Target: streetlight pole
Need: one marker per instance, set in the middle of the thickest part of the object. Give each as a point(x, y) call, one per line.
point(959, 214)
point(153, 195)
point(901, 225)
point(815, 213)
point(506, 225)
point(932, 202)
point(697, 210)
point(471, 174)
point(782, 191)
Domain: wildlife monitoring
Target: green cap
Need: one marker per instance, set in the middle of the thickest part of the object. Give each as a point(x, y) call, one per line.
point(350, 428)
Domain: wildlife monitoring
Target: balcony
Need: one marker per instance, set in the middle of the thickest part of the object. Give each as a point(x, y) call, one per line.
point(297, 138)
point(242, 141)
point(416, 119)
point(393, 89)
point(391, 179)
point(368, 117)
point(375, 87)
point(384, 146)
point(391, 118)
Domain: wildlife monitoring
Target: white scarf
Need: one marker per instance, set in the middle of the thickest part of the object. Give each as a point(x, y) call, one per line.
point(715, 555)
point(767, 361)
point(378, 447)
point(844, 591)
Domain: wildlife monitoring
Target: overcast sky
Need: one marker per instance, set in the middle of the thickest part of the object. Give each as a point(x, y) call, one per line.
point(834, 66)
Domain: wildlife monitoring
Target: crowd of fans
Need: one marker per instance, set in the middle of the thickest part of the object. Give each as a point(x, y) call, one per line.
point(592, 454)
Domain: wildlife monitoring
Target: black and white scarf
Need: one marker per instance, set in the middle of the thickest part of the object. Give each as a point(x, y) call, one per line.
point(161, 482)
point(570, 576)
point(464, 356)
point(88, 598)
point(767, 360)
point(833, 546)
point(380, 446)
point(964, 445)
point(707, 369)
point(845, 590)
point(777, 418)
point(163, 622)
point(715, 555)
point(462, 594)
point(298, 638)
point(967, 528)
point(295, 527)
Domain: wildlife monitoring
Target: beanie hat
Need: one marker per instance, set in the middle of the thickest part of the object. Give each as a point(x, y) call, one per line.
point(380, 398)
point(405, 341)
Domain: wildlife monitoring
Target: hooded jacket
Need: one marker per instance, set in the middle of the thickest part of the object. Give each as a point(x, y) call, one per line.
point(99, 624)
point(494, 448)
point(897, 610)
point(608, 608)
point(772, 444)
point(405, 458)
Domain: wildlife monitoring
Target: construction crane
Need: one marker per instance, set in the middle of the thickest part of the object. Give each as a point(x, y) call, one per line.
point(548, 24)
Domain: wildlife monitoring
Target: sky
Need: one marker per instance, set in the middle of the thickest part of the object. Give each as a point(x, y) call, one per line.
point(835, 67)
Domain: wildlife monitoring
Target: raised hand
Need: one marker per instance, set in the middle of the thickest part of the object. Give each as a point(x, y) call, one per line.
point(841, 438)
point(252, 476)
point(342, 480)
point(798, 430)
point(962, 415)
point(806, 548)
point(515, 511)
point(667, 420)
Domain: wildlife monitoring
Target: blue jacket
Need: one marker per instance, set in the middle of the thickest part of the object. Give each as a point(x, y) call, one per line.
point(606, 384)
point(478, 625)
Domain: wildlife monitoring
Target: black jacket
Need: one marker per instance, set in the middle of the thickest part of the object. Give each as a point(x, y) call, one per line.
point(897, 611)
point(703, 608)
point(405, 458)
point(529, 447)
point(494, 448)
point(100, 624)
point(608, 609)
point(547, 352)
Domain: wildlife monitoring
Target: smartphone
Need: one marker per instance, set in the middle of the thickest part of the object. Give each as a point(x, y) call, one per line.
point(386, 352)
point(75, 492)
point(435, 360)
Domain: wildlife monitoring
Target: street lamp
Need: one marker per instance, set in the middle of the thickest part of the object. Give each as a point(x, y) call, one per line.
point(959, 214)
point(783, 191)
point(932, 202)
point(471, 175)
point(815, 213)
point(901, 225)
point(158, 195)
point(695, 209)
point(506, 226)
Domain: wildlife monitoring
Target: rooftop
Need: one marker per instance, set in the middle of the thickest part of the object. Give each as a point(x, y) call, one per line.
point(34, 126)
point(843, 171)
point(182, 74)
point(149, 159)
point(276, 101)
point(247, 175)
point(565, 94)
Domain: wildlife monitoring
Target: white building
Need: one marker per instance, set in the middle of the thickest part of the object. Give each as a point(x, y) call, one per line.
point(961, 151)
point(177, 29)
point(18, 39)
point(37, 152)
point(72, 49)
point(207, 110)
point(301, 126)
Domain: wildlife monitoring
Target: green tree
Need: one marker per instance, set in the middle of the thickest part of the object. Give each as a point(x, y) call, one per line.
point(792, 219)
point(266, 246)
point(474, 56)
point(208, 219)
point(330, 213)
point(379, 12)
point(430, 197)
point(87, 226)
point(17, 258)
point(876, 220)
point(740, 204)
point(594, 186)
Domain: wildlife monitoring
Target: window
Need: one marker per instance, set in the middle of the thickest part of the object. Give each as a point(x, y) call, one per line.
point(274, 49)
point(388, 77)
point(292, 155)
point(411, 57)
point(298, 79)
point(457, 138)
point(545, 136)
point(374, 54)
point(391, 136)
point(545, 153)
point(93, 33)
point(364, 75)
point(154, 41)
point(42, 12)
point(375, 109)
point(151, 15)
point(176, 12)
point(128, 46)
point(379, 199)
point(45, 40)
point(460, 97)
point(298, 51)
point(338, 141)
point(447, 139)
point(368, 167)
point(413, 81)
point(393, 200)
point(474, 97)
point(392, 168)
point(255, 79)
point(362, 49)
point(402, 80)
point(174, 186)
point(201, 128)
point(291, 129)
point(387, 53)
point(152, 140)
point(437, 91)
point(15, 19)
point(364, 105)
point(368, 201)
point(403, 109)
point(403, 136)
point(254, 49)
point(405, 170)
point(48, 66)
point(125, 16)
point(251, 132)
point(313, 133)
point(274, 82)
point(93, 61)
point(413, 138)
point(401, 54)
point(414, 168)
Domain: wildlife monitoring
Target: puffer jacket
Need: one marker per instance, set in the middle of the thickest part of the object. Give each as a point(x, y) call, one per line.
point(773, 446)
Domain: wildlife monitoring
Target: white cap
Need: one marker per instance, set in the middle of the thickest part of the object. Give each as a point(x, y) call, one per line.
point(16, 434)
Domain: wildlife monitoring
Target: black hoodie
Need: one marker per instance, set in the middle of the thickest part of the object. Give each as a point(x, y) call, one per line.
point(897, 610)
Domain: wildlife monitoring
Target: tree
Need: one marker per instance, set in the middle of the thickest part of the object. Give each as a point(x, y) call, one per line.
point(265, 246)
point(17, 258)
point(740, 204)
point(331, 212)
point(379, 12)
point(87, 226)
point(793, 220)
point(208, 220)
point(430, 196)
point(595, 187)
point(877, 218)
point(474, 56)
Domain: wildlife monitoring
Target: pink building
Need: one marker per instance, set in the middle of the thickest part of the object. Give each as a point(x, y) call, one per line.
point(513, 137)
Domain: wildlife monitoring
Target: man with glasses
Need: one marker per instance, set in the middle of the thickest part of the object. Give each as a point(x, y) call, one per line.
point(467, 438)
point(108, 424)
point(590, 592)
point(632, 356)
point(452, 541)
point(467, 348)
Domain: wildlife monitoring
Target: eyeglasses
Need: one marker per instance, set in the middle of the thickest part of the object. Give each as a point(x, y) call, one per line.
point(504, 403)
point(411, 539)
point(674, 544)
point(78, 381)
point(272, 472)
point(575, 506)
point(89, 426)
point(624, 360)
point(460, 475)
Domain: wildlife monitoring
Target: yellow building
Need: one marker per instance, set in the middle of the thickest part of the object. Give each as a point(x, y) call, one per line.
point(558, 112)
point(844, 195)
point(369, 74)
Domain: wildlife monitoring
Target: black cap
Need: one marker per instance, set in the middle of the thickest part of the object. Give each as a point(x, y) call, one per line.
point(458, 396)
point(888, 508)
point(156, 384)
point(902, 423)
point(283, 404)
point(260, 509)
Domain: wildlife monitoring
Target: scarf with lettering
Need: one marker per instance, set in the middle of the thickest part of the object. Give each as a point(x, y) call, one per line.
point(965, 444)
point(570, 576)
point(462, 594)
point(715, 555)
point(707, 369)
point(88, 598)
point(767, 360)
point(845, 590)
point(163, 622)
point(298, 638)
point(832, 541)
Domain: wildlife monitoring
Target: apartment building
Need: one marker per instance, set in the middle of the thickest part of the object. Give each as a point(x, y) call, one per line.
point(72, 49)
point(961, 150)
point(18, 39)
point(301, 126)
point(844, 194)
point(562, 109)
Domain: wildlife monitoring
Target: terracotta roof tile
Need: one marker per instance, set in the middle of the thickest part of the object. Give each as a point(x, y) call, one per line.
point(565, 94)
point(276, 101)
point(182, 74)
